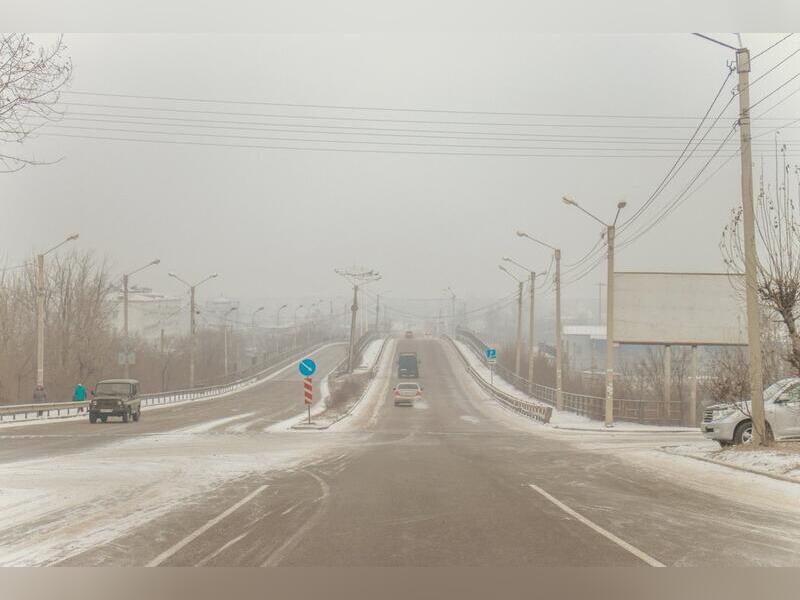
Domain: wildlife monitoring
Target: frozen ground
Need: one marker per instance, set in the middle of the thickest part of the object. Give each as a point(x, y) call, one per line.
point(369, 355)
point(782, 459)
point(559, 419)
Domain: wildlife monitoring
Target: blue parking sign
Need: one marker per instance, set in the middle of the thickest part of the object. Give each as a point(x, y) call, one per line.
point(491, 354)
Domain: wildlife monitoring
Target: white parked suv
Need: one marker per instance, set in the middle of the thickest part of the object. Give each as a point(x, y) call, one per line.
point(730, 423)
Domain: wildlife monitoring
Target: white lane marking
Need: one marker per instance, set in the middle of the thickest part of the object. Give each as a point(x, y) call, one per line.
point(606, 534)
point(470, 419)
point(275, 558)
point(219, 551)
point(201, 530)
point(209, 425)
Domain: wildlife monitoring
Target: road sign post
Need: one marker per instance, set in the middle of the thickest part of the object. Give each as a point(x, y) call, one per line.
point(307, 368)
point(491, 359)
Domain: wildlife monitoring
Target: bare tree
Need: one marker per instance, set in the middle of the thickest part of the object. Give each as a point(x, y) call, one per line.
point(31, 79)
point(778, 239)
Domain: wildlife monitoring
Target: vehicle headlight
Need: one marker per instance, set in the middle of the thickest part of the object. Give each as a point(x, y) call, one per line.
point(722, 413)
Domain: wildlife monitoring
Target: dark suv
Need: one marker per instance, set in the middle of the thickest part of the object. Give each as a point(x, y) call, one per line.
point(115, 398)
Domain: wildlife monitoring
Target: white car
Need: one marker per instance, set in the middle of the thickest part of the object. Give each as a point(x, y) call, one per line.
point(730, 423)
point(407, 393)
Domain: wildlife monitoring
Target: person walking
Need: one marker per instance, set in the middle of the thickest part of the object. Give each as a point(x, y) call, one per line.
point(80, 393)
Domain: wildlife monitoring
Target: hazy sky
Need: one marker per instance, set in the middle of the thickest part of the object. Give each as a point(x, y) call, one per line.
point(277, 222)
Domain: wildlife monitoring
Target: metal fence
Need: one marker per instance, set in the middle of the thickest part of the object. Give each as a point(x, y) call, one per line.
point(593, 407)
point(22, 412)
point(528, 408)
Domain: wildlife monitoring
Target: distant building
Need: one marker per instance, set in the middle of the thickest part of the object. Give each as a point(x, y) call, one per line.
point(149, 312)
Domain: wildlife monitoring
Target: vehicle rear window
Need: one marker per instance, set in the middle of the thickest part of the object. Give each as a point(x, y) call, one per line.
point(408, 386)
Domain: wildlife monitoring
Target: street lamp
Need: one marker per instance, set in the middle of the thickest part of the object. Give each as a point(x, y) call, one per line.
point(278, 327)
point(557, 256)
point(610, 234)
point(530, 324)
point(294, 323)
point(521, 284)
point(192, 327)
point(40, 309)
point(125, 279)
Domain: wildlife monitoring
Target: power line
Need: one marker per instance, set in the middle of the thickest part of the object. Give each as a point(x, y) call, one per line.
point(767, 49)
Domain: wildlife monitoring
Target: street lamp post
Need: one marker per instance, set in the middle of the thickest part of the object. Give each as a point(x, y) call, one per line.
point(557, 256)
point(278, 327)
point(520, 283)
point(192, 325)
point(294, 326)
point(610, 235)
point(40, 310)
point(126, 340)
point(530, 319)
point(225, 336)
point(253, 333)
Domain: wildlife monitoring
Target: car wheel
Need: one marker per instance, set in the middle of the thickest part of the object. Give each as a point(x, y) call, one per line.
point(92, 419)
point(125, 416)
point(136, 414)
point(104, 419)
point(743, 433)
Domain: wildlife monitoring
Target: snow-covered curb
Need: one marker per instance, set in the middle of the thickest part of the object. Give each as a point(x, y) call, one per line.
point(560, 419)
point(374, 357)
point(767, 462)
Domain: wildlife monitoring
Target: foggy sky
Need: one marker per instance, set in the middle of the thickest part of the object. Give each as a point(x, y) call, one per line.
point(275, 223)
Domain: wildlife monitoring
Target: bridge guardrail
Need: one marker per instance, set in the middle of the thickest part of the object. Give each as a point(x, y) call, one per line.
point(24, 412)
point(534, 410)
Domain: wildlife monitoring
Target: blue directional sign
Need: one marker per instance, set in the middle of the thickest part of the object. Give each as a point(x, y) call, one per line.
point(491, 354)
point(307, 367)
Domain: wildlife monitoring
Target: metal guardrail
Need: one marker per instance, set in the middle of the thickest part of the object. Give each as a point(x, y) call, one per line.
point(531, 409)
point(24, 412)
point(638, 411)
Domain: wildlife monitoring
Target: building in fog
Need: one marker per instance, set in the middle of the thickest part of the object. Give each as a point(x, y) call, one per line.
point(149, 312)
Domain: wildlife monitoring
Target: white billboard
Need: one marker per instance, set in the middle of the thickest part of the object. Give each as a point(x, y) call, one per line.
point(679, 308)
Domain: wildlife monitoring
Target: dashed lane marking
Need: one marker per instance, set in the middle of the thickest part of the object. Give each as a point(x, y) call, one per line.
point(201, 530)
point(606, 534)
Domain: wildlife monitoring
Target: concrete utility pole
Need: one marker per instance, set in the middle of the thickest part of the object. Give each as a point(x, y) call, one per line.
point(225, 336)
point(126, 338)
point(557, 278)
point(750, 253)
point(357, 277)
point(610, 234)
point(520, 284)
point(192, 320)
point(278, 328)
point(530, 320)
point(294, 327)
point(377, 312)
point(40, 293)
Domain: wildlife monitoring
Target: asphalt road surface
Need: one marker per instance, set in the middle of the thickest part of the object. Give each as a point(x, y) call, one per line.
point(453, 480)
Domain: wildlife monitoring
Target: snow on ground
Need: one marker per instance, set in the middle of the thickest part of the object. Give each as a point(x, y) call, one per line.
point(370, 355)
point(558, 419)
point(55, 507)
point(781, 459)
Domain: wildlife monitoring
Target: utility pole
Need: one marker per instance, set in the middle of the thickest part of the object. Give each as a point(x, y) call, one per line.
point(750, 255)
point(520, 285)
point(531, 344)
point(126, 338)
point(557, 258)
point(559, 388)
point(225, 336)
point(377, 312)
point(192, 323)
point(40, 320)
point(609, 408)
point(357, 277)
point(610, 234)
point(40, 297)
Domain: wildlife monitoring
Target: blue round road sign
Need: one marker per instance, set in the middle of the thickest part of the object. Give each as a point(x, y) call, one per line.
point(307, 367)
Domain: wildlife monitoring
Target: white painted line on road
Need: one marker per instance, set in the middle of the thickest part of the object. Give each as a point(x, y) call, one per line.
point(607, 534)
point(220, 550)
point(201, 530)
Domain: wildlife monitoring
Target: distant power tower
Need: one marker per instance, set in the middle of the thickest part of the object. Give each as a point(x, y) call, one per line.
point(357, 277)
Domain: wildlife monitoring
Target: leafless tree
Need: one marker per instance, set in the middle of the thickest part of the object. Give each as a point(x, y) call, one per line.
point(778, 240)
point(31, 80)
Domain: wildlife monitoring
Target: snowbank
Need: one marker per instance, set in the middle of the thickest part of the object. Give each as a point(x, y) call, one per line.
point(781, 460)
